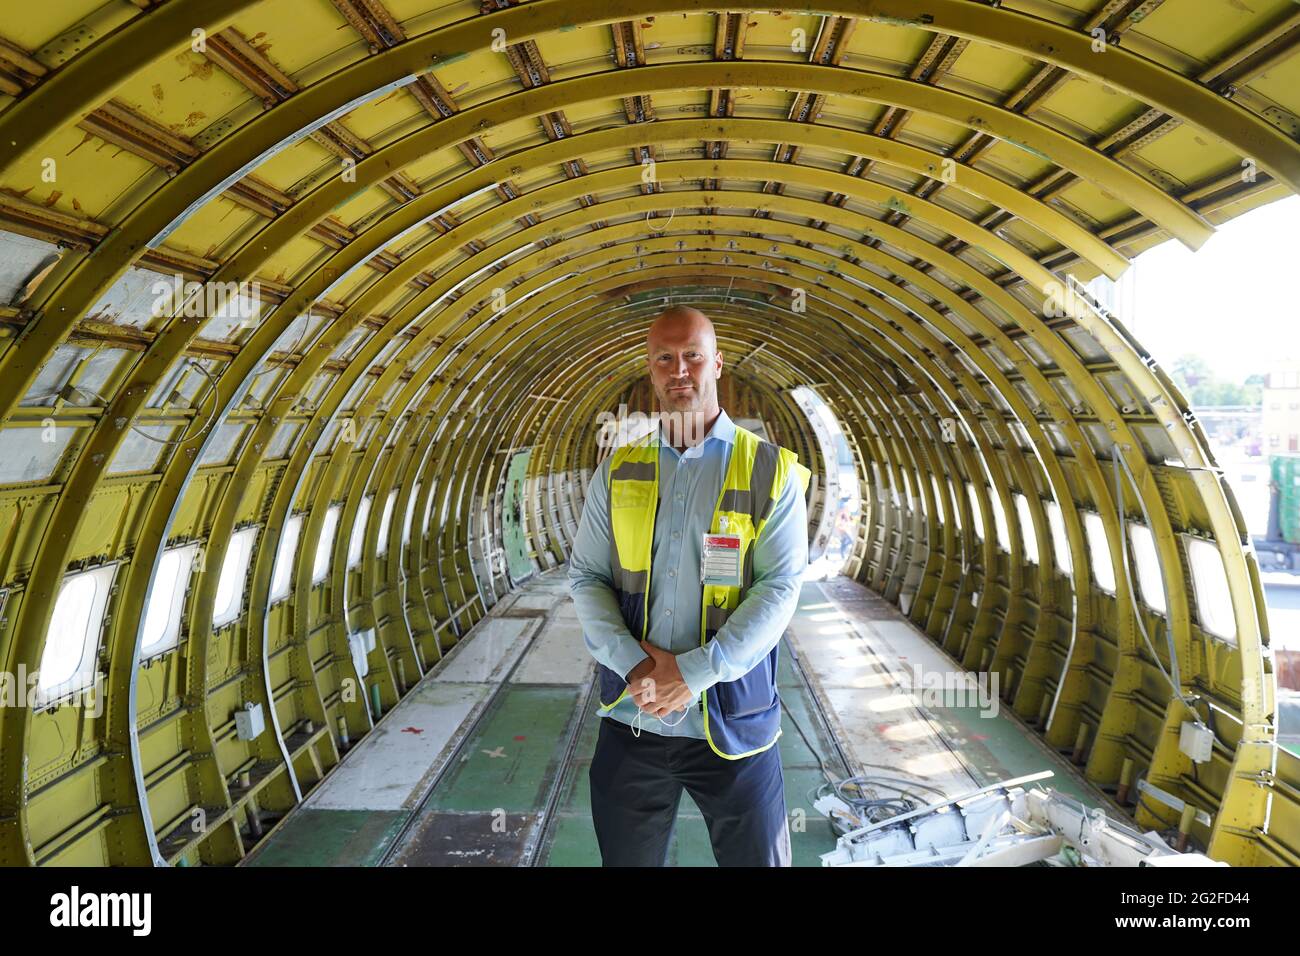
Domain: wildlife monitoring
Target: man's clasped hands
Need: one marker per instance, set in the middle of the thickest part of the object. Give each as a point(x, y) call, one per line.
point(656, 684)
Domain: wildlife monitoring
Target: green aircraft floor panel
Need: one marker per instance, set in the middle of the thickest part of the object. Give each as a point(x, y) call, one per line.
point(331, 838)
point(786, 675)
point(803, 739)
point(572, 842)
point(514, 754)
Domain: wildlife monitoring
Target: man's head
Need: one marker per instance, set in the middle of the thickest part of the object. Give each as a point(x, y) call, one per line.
point(684, 361)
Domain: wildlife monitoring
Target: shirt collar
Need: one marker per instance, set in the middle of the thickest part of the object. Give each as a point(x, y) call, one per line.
point(723, 429)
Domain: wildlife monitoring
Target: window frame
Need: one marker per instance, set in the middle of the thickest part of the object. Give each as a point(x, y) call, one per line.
point(1195, 547)
point(1099, 551)
point(386, 524)
point(241, 582)
point(325, 545)
point(357, 540)
point(1029, 540)
point(180, 586)
point(294, 523)
point(85, 672)
point(976, 512)
point(1154, 600)
point(1062, 557)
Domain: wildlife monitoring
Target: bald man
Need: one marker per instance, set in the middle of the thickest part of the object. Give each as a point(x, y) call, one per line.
point(683, 593)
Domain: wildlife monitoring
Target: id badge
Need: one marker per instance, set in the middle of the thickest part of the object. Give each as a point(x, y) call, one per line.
point(720, 560)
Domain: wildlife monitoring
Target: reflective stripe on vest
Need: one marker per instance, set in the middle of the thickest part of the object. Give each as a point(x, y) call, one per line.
point(756, 474)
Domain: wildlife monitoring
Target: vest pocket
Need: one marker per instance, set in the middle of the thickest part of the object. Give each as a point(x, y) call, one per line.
point(751, 694)
point(611, 685)
point(633, 494)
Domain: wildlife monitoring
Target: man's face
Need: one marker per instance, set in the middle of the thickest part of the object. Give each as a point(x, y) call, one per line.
point(684, 367)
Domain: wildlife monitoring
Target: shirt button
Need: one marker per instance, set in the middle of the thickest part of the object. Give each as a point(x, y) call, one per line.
point(681, 497)
point(668, 613)
point(677, 534)
point(672, 572)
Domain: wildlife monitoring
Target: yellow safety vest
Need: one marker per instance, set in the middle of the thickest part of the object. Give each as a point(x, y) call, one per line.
point(756, 474)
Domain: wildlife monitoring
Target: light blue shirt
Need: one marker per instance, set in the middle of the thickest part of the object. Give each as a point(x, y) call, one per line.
point(689, 485)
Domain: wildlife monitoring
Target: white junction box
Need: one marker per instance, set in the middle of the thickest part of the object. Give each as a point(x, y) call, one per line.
point(249, 722)
point(1196, 740)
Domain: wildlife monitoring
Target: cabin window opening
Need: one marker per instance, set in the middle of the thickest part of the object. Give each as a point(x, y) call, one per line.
point(162, 620)
point(320, 567)
point(1103, 570)
point(1027, 535)
point(282, 575)
point(1213, 596)
point(72, 640)
point(234, 573)
point(381, 546)
point(1150, 580)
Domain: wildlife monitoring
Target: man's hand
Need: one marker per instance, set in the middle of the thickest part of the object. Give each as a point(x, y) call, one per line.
point(656, 684)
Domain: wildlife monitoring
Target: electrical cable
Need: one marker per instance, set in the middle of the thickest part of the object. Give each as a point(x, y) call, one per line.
point(212, 413)
point(1174, 679)
point(872, 809)
point(666, 224)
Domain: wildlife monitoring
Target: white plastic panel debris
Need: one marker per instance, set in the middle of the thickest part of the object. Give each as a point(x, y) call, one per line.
point(32, 454)
point(1002, 824)
point(361, 644)
point(981, 828)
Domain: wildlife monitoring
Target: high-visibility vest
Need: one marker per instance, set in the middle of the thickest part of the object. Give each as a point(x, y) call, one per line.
point(742, 716)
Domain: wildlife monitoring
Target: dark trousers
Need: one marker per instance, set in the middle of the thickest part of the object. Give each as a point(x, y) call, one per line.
point(637, 782)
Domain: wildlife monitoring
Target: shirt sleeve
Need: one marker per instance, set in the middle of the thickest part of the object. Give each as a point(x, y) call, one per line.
point(757, 623)
point(591, 583)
